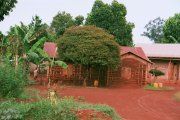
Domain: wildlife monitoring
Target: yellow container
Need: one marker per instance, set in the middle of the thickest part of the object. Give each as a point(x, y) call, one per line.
point(156, 85)
point(160, 85)
point(96, 83)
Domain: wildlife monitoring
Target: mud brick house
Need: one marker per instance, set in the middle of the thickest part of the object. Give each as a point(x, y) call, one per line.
point(133, 69)
point(166, 57)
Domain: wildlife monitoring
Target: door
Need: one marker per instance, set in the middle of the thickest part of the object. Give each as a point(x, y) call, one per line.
point(133, 71)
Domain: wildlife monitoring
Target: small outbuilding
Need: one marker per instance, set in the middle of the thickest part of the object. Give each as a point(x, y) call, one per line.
point(133, 69)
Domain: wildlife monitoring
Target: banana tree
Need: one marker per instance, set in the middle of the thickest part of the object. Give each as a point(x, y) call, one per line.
point(19, 41)
point(29, 49)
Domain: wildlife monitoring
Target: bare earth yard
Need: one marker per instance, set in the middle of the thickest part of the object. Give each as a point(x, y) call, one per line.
point(130, 103)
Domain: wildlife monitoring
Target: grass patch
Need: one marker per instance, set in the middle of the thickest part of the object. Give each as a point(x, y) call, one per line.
point(164, 88)
point(177, 96)
point(43, 110)
point(30, 93)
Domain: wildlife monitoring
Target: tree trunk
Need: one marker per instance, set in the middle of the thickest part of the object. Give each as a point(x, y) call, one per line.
point(155, 79)
point(16, 61)
point(86, 76)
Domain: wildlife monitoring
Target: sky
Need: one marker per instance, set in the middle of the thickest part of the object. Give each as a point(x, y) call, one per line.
point(139, 12)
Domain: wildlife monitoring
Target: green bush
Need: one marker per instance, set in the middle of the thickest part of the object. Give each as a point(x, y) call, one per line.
point(10, 114)
point(43, 110)
point(156, 72)
point(12, 81)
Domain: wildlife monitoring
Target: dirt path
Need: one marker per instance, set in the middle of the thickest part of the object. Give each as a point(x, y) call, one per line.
point(130, 103)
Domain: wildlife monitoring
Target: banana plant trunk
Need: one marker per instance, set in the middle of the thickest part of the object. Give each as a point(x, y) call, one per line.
point(16, 61)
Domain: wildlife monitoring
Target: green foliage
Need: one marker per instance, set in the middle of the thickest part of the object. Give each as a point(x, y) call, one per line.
point(89, 46)
point(12, 82)
point(79, 20)
point(27, 41)
point(43, 110)
point(64, 20)
point(154, 30)
point(30, 93)
point(156, 72)
point(171, 29)
point(10, 114)
point(113, 19)
point(3, 44)
point(5, 7)
point(60, 63)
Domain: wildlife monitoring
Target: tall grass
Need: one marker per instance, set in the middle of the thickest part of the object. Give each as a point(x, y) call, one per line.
point(12, 81)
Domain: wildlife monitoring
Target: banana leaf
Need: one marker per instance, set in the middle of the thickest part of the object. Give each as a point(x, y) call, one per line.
point(61, 64)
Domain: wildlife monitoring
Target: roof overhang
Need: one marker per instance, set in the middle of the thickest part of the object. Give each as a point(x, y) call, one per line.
point(164, 58)
point(137, 56)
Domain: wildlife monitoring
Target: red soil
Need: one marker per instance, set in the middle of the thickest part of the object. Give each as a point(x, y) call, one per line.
point(130, 103)
point(91, 115)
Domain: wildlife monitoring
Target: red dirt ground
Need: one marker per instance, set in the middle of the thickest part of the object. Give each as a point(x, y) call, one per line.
point(130, 103)
point(92, 115)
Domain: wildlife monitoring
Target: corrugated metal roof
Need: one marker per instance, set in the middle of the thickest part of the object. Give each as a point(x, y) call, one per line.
point(135, 50)
point(161, 50)
point(51, 49)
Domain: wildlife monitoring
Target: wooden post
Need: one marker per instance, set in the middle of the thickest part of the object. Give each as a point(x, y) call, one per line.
point(169, 71)
point(177, 73)
point(107, 83)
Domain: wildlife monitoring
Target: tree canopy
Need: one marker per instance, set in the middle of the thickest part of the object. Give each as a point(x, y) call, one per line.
point(113, 19)
point(154, 30)
point(64, 20)
point(5, 7)
point(171, 29)
point(88, 46)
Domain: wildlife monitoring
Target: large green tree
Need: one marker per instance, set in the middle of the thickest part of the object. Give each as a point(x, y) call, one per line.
point(154, 30)
point(64, 20)
point(113, 19)
point(5, 7)
point(171, 29)
point(90, 47)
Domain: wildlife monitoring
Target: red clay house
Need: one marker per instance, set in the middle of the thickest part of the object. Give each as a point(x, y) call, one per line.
point(133, 69)
point(166, 57)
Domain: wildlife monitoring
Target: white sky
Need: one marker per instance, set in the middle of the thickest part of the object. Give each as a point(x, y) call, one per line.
point(138, 11)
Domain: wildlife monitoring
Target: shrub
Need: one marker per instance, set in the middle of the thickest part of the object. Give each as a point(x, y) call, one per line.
point(156, 72)
point(12, 81)
point(10, 114)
